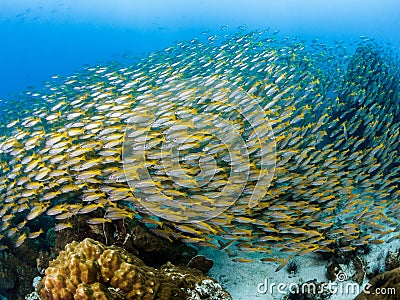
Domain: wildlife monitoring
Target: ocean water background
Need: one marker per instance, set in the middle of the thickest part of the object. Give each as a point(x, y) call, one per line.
point(41, 38)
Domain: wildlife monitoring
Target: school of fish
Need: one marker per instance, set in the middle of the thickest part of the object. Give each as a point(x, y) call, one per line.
point(333, 162)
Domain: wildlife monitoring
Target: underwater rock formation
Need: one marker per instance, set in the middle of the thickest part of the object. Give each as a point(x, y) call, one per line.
point(392, 260)
point(333, 270)
point(7, 277)
point(200, 262)
point(131, 235)
point(385, 286)
point(16, 274)
point(359, 270)
point(91, 270)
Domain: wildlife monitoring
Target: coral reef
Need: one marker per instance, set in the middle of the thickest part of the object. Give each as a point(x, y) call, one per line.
point(91, 270)
point(349, 267)
point(16, 275)
point(16, 272)
point(8, 277)
point(132, 236)
point(385, 286)
point(60, 164)
point(156, 251)
point(392, 260)
point(42, 261)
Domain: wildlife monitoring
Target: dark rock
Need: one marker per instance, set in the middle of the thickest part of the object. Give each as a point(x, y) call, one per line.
point(42, 262)
point(292, 268)
point(16, 276)
point(332, 271)
point(8, 277)
point(200, 262)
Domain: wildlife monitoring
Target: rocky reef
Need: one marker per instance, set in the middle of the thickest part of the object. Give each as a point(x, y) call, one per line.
point(17, 272)
point(385, 286)
point(91, 270)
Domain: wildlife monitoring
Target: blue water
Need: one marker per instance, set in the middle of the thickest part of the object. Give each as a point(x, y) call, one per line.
point(42, 38)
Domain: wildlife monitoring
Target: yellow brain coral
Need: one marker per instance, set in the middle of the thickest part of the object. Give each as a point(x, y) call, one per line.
point(91, 270)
